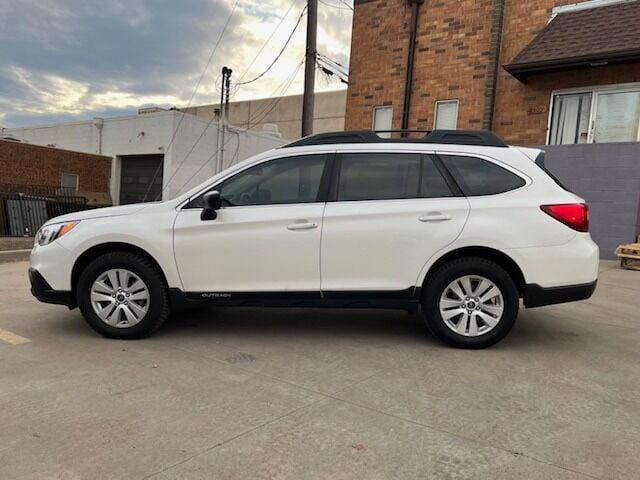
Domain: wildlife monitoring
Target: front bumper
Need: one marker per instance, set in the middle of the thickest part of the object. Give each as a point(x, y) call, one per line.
point(43, 291)
point(537, 296)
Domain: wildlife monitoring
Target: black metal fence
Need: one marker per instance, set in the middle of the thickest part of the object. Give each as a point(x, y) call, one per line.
point(24, 210)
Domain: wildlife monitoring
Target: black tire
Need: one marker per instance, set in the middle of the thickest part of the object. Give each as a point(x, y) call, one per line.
point(449, 272)
point(158, 310)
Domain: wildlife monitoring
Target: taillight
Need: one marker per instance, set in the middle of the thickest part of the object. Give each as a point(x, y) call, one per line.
point(574, 215)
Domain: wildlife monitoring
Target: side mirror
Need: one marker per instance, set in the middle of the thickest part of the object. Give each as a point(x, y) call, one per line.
point(212, 202)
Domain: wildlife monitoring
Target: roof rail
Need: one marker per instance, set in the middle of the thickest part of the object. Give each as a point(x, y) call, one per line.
point(454, 137)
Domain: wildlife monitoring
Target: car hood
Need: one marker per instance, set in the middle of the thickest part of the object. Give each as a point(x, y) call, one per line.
point(100, 213)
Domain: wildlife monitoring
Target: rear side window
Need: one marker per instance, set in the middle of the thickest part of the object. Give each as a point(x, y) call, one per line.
point(476, 176)
point(378, 176)
point(388, 176)
point(433, 183)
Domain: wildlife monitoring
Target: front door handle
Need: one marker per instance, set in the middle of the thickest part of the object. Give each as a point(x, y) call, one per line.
point(302, 226)
point(434, 217)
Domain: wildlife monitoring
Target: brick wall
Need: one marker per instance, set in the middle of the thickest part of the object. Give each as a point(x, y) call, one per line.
point(27, 164)
point(452, 47)
point(452, 61)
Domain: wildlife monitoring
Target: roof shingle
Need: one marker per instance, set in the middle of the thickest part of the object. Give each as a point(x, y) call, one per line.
point(581, 39)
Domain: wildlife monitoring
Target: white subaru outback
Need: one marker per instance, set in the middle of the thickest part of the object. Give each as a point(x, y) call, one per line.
point(457, 223)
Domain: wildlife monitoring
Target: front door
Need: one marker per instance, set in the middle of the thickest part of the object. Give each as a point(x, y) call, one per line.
point(266, 237)
point(392, 212)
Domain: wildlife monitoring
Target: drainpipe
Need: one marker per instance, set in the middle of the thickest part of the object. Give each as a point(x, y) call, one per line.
point(408, 82)
point(494, 64)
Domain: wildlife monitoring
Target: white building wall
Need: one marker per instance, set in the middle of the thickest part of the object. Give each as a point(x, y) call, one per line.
point(184, 165)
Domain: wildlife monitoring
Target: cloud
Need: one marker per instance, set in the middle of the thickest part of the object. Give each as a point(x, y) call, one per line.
point(74, 59)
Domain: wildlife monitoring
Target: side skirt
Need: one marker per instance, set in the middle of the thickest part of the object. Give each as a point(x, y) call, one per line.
point(408, 299)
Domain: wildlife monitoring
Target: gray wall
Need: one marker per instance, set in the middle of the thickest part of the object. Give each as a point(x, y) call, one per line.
point(607, 176)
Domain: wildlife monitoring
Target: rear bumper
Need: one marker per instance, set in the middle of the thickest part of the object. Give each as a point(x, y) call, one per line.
point(43, 291)
point(537, 296)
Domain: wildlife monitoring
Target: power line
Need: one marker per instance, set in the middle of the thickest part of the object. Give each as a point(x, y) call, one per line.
point(193, 94)
point(267, 40)
point(284, 86)
point(333, 65)
point(265, 112)
point(339, 7)
point(279, 54)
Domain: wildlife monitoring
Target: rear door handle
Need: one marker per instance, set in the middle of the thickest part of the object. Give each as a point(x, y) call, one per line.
point(302, 226)
point(434, 217)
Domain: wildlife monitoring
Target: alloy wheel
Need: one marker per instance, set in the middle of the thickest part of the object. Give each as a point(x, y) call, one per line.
point(471, 305)
point(120, 298)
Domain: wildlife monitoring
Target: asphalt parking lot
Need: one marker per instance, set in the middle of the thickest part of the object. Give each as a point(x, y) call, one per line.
point(292, 394)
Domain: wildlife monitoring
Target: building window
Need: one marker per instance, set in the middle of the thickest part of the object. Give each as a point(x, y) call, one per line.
point(570, 118)
point(70, 181)
point(382, 120)
point(446, 116)
point(598, 115)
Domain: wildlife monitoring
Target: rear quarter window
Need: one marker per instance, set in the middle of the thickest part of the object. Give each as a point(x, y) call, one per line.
point(477, 177)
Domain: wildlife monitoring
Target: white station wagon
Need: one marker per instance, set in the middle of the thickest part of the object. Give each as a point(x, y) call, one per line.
point(456, 223)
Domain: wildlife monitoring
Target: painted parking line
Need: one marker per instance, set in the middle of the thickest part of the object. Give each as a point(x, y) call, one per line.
point(12, 338)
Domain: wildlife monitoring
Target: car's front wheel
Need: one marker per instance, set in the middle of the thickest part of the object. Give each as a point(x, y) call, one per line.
point(470, 303)
point(123, 295)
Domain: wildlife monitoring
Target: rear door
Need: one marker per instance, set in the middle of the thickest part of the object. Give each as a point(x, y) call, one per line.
point(390, 212)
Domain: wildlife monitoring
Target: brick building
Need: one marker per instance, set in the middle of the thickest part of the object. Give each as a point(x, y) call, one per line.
point(74, 173)
point(535, 72)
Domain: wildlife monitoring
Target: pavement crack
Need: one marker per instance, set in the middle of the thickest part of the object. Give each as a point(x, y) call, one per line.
point(515, 453)
point(231, 439)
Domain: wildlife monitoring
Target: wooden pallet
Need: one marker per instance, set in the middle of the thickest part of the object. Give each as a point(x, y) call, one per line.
point(629, 255)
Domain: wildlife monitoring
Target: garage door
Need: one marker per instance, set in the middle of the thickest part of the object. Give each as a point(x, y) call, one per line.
point(140, 178)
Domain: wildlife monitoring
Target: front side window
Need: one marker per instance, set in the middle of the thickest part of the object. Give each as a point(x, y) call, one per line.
point(598, 115)
point(476, 176)
point(287, 180)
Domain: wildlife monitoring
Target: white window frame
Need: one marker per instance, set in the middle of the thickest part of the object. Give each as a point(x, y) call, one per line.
point(441, 102)
point(594, 91)
point(77, 177)
point(373, 118)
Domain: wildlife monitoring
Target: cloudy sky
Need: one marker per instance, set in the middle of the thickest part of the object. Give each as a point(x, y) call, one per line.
point(75, 59)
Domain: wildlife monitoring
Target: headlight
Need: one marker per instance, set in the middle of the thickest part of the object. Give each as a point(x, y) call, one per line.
point(49, 233)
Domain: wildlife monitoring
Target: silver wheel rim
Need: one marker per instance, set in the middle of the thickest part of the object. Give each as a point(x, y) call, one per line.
point(120, 298)
point(471, 305)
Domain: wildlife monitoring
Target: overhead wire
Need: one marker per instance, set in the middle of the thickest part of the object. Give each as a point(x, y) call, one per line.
point(238, 84)
point(193, 94)
point(175, 171)
point(283, 87)
point(266, 42)
point(339, 7)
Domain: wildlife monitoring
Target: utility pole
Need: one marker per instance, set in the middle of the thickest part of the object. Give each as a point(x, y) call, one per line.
point(226, 81)
point(310, 68)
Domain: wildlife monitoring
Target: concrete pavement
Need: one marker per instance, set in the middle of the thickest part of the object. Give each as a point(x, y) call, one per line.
point(292, 394)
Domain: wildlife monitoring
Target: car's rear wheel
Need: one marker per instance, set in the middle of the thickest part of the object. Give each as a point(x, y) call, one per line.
point(123, 295)
point(470, 303)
